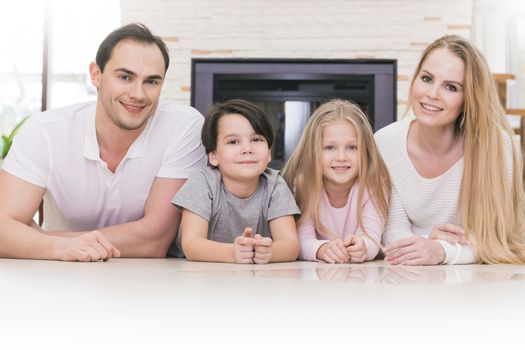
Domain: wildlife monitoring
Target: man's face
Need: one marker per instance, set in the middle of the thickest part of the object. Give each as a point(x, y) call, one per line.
point(129, 88)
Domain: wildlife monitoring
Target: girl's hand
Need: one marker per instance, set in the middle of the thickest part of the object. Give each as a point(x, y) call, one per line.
point(243, 247)
point(356, 248)
point(414, 250)
point(449, 233)
point(263, 249)
point(333, 252)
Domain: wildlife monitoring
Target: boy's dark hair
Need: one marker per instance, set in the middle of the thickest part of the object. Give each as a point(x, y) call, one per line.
point(133, 31)
point(257, 118)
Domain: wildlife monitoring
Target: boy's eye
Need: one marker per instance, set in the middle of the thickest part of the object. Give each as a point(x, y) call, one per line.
point(124, 77)
point(232, 142)
point(258, 139)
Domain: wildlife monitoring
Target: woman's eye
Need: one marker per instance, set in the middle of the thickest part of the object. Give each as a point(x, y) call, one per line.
point(451, 87)
point(426, 79)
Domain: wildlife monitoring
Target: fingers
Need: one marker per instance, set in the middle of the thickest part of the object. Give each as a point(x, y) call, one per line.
point(450, 228)
point(334, 252)
point(404, 242)
point(248, 232)
point(263, 249)
point(357, 250)
point(449, 233)
point(92, 246)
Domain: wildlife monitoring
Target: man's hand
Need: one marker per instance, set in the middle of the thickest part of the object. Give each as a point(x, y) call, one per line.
point(91, 246)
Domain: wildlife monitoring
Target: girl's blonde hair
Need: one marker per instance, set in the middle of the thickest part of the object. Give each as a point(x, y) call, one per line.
point(491, 202)
point(304, 172)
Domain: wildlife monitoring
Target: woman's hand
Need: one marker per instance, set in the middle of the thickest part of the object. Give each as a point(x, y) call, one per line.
point(414, 250)
point(333, 252)
point(449, 233)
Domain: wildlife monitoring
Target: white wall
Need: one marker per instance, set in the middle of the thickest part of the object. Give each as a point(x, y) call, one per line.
point(398, 29)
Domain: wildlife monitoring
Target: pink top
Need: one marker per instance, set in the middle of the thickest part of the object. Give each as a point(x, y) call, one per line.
point(341, 222)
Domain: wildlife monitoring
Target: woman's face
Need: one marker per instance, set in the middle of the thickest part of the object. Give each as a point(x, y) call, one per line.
point(437, 93)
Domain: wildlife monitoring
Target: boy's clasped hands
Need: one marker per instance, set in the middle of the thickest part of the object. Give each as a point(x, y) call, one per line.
point(350, 249)
point(249, 249)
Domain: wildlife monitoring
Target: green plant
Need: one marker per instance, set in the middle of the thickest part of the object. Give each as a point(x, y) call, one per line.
point(8, 140)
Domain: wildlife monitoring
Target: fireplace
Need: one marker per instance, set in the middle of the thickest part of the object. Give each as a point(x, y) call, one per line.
point(289, 90)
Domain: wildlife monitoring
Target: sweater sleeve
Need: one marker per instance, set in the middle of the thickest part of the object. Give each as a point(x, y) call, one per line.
point(309, 242)
point(399, 226)
point(373, 224)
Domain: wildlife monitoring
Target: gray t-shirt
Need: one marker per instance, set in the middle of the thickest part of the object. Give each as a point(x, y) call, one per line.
point(205, 195)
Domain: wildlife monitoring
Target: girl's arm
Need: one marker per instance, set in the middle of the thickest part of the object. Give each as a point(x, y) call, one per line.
point(195, 242)
point(285, 240)
point(374, 225)
point(309, 242)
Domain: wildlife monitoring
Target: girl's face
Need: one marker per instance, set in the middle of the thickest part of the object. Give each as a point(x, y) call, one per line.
point(340, 156)
point(437, 94)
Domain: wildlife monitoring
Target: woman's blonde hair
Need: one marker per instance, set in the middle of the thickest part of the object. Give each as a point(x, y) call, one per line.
point(491, 201)
point(304, 172)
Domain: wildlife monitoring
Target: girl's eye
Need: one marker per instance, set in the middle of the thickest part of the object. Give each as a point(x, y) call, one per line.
point(352, 147)
point(329, 147)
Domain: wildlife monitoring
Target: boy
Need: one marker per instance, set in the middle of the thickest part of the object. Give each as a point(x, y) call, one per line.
point(237, 209)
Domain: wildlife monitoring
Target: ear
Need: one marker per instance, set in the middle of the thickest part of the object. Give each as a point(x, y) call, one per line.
point(269, 155)
point(212, 159)
point(95, 73)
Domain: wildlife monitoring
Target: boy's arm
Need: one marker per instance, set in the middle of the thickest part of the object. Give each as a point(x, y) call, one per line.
point(286, 241)
point(195, 242)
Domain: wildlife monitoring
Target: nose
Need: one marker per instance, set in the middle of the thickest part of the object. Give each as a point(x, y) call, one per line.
point(246, 148)
point(433, 91)
point(342, 153)
point(137, 91)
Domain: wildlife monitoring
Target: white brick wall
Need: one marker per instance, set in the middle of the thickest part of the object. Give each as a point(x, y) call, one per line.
point(398, 29)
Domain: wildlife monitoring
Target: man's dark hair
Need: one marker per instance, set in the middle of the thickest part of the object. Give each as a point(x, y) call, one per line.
point(133, 31)
point(257, 118)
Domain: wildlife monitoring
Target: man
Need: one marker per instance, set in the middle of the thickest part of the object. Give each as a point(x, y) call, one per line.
point(107, 171)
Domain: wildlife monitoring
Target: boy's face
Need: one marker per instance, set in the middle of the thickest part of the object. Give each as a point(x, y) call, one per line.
point(241, 154)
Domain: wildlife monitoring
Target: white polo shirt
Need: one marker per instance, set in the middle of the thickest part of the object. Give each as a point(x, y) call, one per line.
point(58, 150)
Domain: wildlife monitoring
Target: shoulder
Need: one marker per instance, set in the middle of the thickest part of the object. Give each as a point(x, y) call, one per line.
point(177, 114)
point(60, 120)
point(391, 140)
point(392, 131)
point(207, 173)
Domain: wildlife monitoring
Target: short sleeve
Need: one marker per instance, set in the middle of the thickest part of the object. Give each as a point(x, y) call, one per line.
point(282, 202)
point(185, 152)
point(196, 195)
point(30, 157)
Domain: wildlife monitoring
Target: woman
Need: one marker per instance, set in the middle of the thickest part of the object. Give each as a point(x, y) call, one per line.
point(456, 170)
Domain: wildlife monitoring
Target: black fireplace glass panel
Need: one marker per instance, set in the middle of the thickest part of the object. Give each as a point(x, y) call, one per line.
point(290, 90)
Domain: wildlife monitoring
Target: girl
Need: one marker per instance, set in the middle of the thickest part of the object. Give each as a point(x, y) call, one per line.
point(341, 186)
point(456, 170)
